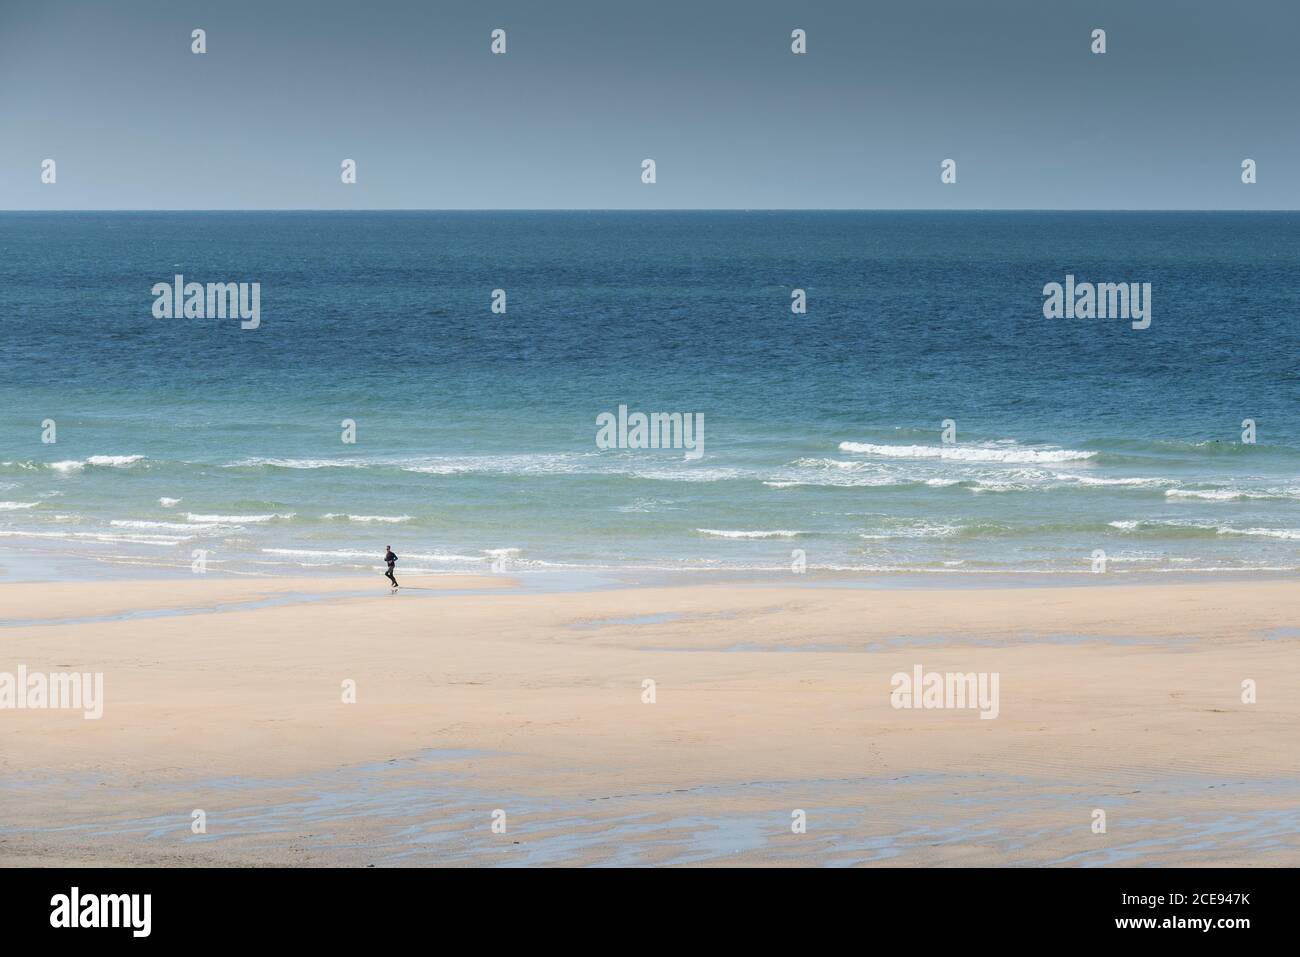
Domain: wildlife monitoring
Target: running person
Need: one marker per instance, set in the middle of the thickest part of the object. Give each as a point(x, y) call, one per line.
point(391, 559)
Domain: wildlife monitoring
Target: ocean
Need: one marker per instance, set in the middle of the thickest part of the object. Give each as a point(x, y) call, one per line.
point(1076, 440)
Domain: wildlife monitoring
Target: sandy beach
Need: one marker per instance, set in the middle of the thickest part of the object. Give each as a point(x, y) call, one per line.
point(479, 700)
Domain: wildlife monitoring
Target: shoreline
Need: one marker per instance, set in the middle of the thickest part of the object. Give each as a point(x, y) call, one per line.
point(35, 567)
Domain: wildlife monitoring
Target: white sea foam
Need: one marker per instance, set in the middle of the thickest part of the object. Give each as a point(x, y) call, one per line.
point(101, 537)
point(325, 553)
point(306, 463)
point(437, 465)
point(68, 466)
point(842, 481)
point(918, 530)
point(992, 485)
point(13, 506)
point(546, 463)
point(174, 526)
point(964, 453)
point(1129, 525)
point(688, 474)
point(846, 465)
point(1131, 482)
point(849, 473)
point(166, 502)
point(1209, 495)
point(1234, 494)
point(1287, 533)
point(368, 519)
point(447, 468)
point(724, 533)
point(1283, 533)
point(842, 473)
point(543, 463)
point(237, 519)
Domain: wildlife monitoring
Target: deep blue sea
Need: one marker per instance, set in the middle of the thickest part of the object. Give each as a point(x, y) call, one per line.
point(475, 431)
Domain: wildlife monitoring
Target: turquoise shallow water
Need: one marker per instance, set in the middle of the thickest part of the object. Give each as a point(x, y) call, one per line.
point(822, 432)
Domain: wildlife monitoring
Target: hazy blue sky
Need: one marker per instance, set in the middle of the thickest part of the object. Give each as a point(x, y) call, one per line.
point(708, 88)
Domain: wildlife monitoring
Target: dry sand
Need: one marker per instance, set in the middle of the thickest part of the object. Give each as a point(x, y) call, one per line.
point(225, 695)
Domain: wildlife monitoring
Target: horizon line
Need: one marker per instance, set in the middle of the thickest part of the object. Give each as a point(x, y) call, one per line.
point(637, 209)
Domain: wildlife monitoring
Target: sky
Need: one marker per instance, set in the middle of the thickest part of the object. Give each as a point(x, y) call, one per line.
point(709, 89)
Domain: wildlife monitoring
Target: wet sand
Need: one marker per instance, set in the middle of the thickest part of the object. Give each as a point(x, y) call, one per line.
point(474, 697)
